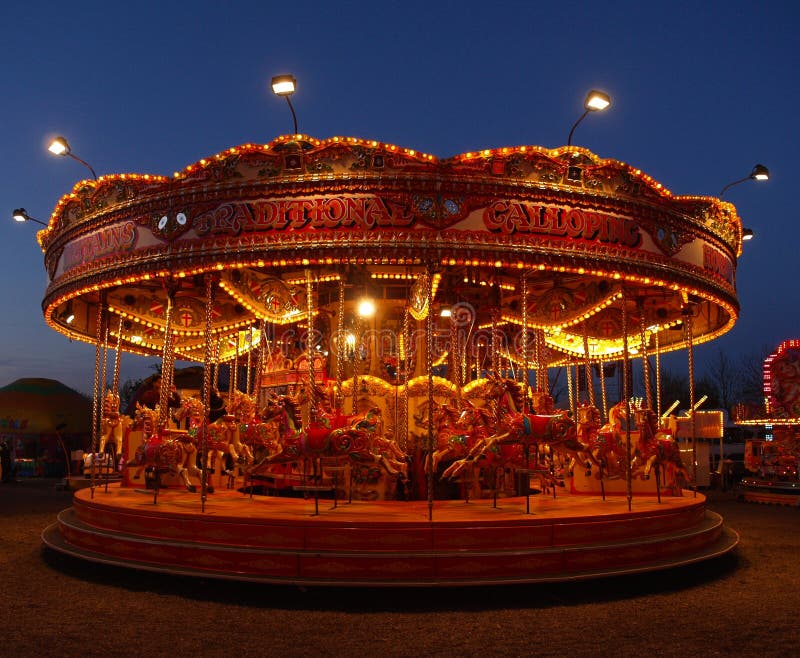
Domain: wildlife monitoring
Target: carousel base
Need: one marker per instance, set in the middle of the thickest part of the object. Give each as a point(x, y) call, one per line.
point(284, 540)
point(770, 492)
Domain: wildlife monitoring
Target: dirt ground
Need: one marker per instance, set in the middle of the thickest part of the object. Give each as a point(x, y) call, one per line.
point(743, 604)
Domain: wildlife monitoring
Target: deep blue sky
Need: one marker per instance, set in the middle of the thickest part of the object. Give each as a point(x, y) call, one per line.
point(701, 92)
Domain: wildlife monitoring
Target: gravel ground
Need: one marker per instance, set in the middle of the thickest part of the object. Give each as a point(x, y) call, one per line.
point(744, 604)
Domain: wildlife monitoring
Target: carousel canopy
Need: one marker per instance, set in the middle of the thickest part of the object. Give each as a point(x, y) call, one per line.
point(591, 253)
point(40, 406)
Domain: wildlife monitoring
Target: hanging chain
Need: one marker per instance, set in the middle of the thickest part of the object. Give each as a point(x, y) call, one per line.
point(626, 385)
point(543, 381)
point(312, 400)
point(166, 369)
point(117, 358)
point(525, 361)
point(589, 376)
point(429, 371)
point(209, 357)
point(570, 390)
point(658, 374)
point(688, 322)
point(217, 349)
point(356, 365)
point(262, 348)
point(495, 346)
point(648, 391)
point(454, 371)
point(249, 362)
point(340, 347)
point(104, 375)
point(406, 366)
point(604, 400)
point(98, 384)
point(233, 383)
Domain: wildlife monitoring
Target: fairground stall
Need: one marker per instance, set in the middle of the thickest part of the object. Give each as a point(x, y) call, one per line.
point(774, 460)
point(391, 322)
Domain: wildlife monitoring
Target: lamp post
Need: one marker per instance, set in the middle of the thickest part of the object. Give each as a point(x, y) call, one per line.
point(21, 215)
point(759, 173)
point(285, 85)
point(596, 101)
point(60, 146)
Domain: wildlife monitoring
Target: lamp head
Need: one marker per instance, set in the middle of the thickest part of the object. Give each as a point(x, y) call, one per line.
point(284, 85)
point(21, 215)
point(597, 101)
point(366, 308)
point(747, 234)
point(59, 146)
point(760, 172)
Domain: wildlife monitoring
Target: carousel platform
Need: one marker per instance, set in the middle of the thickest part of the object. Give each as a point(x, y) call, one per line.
point(770, 492)
point(282, 540)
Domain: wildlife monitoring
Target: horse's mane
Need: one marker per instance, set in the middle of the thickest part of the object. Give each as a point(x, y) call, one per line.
point(292, 407)
point(514, 391)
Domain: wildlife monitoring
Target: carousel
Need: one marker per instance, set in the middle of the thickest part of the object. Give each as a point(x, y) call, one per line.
point(774, 460)
point(393, 327)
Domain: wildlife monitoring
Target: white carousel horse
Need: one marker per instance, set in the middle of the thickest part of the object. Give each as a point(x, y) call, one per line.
point(113, 425)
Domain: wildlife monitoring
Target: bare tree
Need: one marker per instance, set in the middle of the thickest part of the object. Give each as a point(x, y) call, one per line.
point(751, 376)
point(724, 378)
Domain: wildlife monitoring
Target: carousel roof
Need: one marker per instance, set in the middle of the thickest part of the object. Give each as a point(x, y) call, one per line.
point(40, 406)
point(557, 240)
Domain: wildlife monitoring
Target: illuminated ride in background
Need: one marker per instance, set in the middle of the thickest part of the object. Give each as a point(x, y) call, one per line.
point(774, 461)
point(484, 273)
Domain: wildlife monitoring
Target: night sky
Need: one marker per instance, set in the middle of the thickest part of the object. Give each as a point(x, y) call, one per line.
point(701, 92)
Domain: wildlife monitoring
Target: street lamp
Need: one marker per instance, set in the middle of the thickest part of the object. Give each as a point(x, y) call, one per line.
point(60, 146)
point(596, 101)
point(285, 85)
point(21, 215)
point(759, 173)
point(747, 234)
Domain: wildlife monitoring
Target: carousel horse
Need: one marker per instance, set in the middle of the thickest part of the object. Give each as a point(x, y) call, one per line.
point(579, 448)
point(243, 409)
point(160, 450)
point(354, 440)
point(524, 433)
point(388, 452)
point(656, 450)
point(607, 444)
point(113, 425)
point(217, 436)
point(457, 431)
